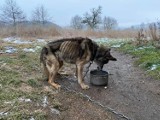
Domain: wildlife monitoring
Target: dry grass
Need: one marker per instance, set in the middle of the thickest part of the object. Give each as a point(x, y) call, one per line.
point(40, 31)
point(100, 34)
point(29, 31)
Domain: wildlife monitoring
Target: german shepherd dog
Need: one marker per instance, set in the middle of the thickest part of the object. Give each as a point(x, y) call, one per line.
point(77, 51)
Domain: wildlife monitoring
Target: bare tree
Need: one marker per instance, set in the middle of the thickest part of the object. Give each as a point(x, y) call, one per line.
point(109, 23)
point(76, 22)
point(40, 15)
point(94, 18)
point(11, 12)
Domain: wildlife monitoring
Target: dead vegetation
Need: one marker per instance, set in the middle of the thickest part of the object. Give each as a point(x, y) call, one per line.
point(40, 31)
point(149, 35)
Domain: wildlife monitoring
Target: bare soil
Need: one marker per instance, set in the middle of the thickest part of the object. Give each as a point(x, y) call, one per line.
point(130, 94)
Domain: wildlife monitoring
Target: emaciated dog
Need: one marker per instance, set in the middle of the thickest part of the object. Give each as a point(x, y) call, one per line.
point(77, 51)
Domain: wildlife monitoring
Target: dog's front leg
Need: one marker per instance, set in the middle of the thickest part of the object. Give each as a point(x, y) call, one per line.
point(80, 76)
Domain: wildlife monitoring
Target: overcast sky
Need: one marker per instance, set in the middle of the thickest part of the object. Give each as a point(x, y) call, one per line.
point(126, 12)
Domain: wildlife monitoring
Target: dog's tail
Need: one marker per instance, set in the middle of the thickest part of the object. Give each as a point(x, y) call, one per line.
point(44, 52)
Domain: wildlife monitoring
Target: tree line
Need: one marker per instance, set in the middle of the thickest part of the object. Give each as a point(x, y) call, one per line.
point(11, 13)
point(93, 20)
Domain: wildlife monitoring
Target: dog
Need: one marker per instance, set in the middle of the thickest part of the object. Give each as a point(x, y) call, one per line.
point(78, 51)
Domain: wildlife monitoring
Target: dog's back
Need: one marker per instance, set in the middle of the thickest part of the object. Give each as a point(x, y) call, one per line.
point(68, 50)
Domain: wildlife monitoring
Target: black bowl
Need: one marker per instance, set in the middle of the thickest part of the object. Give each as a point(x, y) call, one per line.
point(99, 77)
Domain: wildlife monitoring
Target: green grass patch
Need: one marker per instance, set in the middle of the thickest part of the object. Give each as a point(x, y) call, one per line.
point(9, 94)
point(33, 83)
point(9, 77)
point(25, 116)
point(149, 57)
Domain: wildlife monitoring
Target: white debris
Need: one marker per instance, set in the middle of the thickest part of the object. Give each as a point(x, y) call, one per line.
point(28, 50)
point(31, 118)
point(10, 49)
point(55, 111)
point(24, 100)
point(102, 40)
point(154, 67)
point(21, 42)
point(117, 46)
point(3, 113)
point(16, 40)
point(9, 102)
point(0, 84)
point(45, 101)
point(38, 48)
point(144, 47)
point(41, 41)
point(105, 87)
point(9, 39)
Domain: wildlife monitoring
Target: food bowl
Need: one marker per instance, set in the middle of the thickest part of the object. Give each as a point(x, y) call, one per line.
point(99, 77)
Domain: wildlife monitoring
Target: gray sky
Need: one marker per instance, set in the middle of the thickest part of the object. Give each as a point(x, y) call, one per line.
point(126, 12)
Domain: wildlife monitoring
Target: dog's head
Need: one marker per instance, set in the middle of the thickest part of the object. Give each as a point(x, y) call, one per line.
point(103, 56)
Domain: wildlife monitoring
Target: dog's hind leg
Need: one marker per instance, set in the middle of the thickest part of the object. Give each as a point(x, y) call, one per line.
point(80, 66)
point(45, 73)
point(52, 66)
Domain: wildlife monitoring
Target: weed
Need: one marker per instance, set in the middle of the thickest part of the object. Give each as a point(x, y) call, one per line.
point(33, 83)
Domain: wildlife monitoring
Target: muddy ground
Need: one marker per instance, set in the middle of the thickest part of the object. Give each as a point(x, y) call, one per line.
point(130, 94)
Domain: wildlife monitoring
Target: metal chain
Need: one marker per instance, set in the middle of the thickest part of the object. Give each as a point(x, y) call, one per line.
point(87, 69)
point(97, 103)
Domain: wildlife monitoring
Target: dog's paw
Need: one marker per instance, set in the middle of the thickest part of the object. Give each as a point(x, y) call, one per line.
point(84, 86)
point(58, 87)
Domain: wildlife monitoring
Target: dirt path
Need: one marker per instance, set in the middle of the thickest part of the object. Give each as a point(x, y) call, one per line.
point(130, 92)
